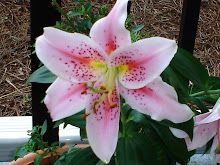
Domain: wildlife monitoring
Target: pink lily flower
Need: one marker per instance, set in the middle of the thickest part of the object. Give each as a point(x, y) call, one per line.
point(108, 60)
point(206, 127)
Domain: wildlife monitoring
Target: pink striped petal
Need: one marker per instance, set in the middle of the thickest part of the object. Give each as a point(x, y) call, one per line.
point(72, 56)
point(110, 32)
point(157, 99)
point(102, 127)
point(201, 135)
point(64, 98)
point(142, 61)
point(214, 115)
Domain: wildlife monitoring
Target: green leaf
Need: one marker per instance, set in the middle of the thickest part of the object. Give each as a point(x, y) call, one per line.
point(100, 163)
point(178, 82)
point(190, 67)
point(211, 99)
point(83, 134)
point(172, 143)
point(73, 14)
point(44, 128)
point(166, 140)
point(42, 75)
point(78, 157)
point(140, 149)
point(214, 82)
point(142, 119)
point(137, 28)
point(200, 104)
point(76, 120)
point(57, 124)
point(187, 126)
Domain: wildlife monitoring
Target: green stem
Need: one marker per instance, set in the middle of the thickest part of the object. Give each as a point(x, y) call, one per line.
point(217, 91)
point(63, 13)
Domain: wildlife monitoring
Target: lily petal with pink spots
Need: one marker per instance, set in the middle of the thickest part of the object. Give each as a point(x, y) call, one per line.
point(110, 31)
point(70, 55)
point(157, 99)
point(201, 135)
point(102, 127)
point(61, 98)
point(144, 61)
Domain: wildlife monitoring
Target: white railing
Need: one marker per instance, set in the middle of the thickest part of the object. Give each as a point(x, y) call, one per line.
point(13, 133)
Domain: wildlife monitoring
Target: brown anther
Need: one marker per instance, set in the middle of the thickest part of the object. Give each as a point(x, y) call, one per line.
point(102, 87)
point(83, 92)
point(106, 92)
point(113, 106)
point(85, 115)
point(94, 109)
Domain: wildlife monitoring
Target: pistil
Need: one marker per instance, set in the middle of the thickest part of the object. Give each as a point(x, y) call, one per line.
point(106, 88)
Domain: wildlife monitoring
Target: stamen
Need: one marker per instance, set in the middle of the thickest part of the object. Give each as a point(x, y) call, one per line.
point(94, 109)
point(102, 87)
point(113, 106)
point(85, 115)
point(83, 92)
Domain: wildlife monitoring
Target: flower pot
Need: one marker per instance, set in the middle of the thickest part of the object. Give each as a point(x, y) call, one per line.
point(29, 158)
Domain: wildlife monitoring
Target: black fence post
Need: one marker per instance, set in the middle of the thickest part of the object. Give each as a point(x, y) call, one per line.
point(189, 22)
point(42, 14)
point(129, 7)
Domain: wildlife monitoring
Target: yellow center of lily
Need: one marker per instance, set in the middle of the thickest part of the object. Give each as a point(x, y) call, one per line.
point(106, 88)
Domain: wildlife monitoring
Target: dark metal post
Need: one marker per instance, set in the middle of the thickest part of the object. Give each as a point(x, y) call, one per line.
point(129, 7)
point(42, 14)
point(189, 22)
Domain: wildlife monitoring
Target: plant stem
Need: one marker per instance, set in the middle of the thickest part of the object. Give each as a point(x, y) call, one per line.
point(217, 91)
point(63, 13)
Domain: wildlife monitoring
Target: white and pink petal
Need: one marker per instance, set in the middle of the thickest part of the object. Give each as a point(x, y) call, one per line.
point(102, 126)
point(110, 31)
point(201, 135)
point(157, 99)
point(71, 56)
point(214, 115)
point(143, 61)
point(64, 98)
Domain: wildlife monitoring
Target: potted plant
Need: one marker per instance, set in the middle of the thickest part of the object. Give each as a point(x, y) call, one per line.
point(138, 97)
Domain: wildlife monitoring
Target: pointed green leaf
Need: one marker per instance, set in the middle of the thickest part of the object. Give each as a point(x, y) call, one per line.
point(178, 82)
point(190, 67)
point(137, 28)
point(44, 128)
point(172, 143)
point(76, 120)
point(139, 149)
point(42, 75)
point(78, 157)
point(200, 104)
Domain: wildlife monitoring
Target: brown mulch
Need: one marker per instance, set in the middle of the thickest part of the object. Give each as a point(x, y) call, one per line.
point(160, 17)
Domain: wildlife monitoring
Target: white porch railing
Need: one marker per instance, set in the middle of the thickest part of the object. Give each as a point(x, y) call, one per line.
point(13, 133)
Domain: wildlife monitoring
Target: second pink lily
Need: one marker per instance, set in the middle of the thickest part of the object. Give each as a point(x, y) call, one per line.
point(207, 126)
